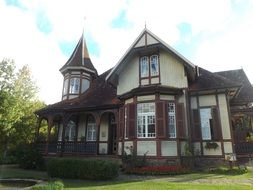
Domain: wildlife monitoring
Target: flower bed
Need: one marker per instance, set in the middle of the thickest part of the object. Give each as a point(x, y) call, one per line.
point(158, 170)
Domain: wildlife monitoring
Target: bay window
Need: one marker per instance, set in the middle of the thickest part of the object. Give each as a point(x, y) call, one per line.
point(146, 120)
point(65, 86)
point(85, 85)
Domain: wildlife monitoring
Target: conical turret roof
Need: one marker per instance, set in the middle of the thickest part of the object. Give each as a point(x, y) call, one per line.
point(79, 59)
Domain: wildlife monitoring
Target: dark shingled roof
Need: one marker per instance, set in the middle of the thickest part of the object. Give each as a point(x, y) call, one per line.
point(100, 95)
point(209, 81)
point(245, 94)
point(80, 57)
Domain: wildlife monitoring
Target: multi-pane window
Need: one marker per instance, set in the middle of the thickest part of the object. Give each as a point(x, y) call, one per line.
point(146, 120)
point(125, 123)
point(70, 131)
point(65, 86)
point(74, 85)
point(206, 120)
point(91, 129)
point(144, 67)
point(172, 120)
point(149, 66)
point(154, 65)
point(85, 85)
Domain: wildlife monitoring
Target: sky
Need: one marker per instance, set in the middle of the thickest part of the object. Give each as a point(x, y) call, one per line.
point(213, 34)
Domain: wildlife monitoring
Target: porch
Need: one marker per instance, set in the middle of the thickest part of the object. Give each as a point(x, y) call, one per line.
point(90, 133)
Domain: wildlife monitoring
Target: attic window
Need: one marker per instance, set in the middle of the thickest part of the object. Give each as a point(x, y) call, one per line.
point(85, 85)
point(154, 65)
point(144, 67)
point(74, 85)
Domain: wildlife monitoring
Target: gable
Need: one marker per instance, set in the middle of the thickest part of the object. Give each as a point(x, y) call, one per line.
point(146, 40)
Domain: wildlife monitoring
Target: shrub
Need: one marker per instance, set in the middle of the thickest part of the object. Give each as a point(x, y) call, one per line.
point(81, 169)
point(159, 170)
point(233, 171)
point(53, 185)
point(28, 157)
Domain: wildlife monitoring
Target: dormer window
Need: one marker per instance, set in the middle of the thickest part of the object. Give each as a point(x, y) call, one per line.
point(74, 85)
point(149, 70)
point(65, 87)
point(85, 85)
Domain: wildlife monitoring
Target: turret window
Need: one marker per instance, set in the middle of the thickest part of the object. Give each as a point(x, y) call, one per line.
point(65, 86)
point(85, 85)
point(74, 85)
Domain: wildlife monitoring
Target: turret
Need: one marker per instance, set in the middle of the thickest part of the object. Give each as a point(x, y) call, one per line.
point(78, 72)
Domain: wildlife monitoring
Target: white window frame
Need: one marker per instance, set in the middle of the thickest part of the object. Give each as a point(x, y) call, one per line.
point(154, 61)
point(74, 85)
point(91, 129)
point(144, 120)
point(172, 119)
point(71, 131)
point(205, 117)
point(144, 64)
point(125, 124)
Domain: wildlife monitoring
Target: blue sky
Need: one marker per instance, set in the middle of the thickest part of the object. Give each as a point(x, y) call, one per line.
point(214, 34)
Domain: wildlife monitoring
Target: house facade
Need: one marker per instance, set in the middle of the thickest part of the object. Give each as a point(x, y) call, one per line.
point(153, 101)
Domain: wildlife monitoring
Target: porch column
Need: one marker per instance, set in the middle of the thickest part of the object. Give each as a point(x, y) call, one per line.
point(64, 125)
point(50, 122)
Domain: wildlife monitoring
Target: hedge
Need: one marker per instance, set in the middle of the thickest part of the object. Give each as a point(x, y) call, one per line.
point(73, 168)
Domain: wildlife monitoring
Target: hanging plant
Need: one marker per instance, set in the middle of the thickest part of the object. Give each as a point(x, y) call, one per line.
point(211, 145)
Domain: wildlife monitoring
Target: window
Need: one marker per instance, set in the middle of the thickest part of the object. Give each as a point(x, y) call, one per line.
point(65, 86)
point(144, 67)
point(91, 129)
point(172, 120)
point(154, 65)
point(74, 85)
point(85, 85)
point(125, 124)
point(70, 131)
point(146, 120)
point(206, 121)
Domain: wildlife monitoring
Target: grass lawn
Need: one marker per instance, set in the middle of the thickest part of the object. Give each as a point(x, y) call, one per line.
point(194, 181)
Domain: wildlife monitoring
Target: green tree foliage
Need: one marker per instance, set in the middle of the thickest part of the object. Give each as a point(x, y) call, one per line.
point(17, 103)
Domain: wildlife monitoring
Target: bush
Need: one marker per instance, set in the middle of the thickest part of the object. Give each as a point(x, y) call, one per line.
point(28, 157)
point(233, 171)
point(55, 185)
point(81, 169)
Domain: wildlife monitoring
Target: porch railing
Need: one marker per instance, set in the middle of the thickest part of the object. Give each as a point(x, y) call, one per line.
point(244, 148)
point(68, 147)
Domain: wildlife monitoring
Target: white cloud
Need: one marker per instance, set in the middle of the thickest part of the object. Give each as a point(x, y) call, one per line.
point(228, 38)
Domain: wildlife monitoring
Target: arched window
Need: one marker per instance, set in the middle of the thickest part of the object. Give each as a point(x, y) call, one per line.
point(85, 85)
point(70, 131)
point(144, 67)
point(74, 85)
point(154, 65)
point(91, 129)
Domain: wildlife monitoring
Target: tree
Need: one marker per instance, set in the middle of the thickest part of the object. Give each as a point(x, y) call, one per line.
point(17, 103)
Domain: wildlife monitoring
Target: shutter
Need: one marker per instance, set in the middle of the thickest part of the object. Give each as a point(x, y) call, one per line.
point(216, 124)
point(196, 132)
point(161, 118)
point(180, 120)
point(131, 120)
point(121, 123)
